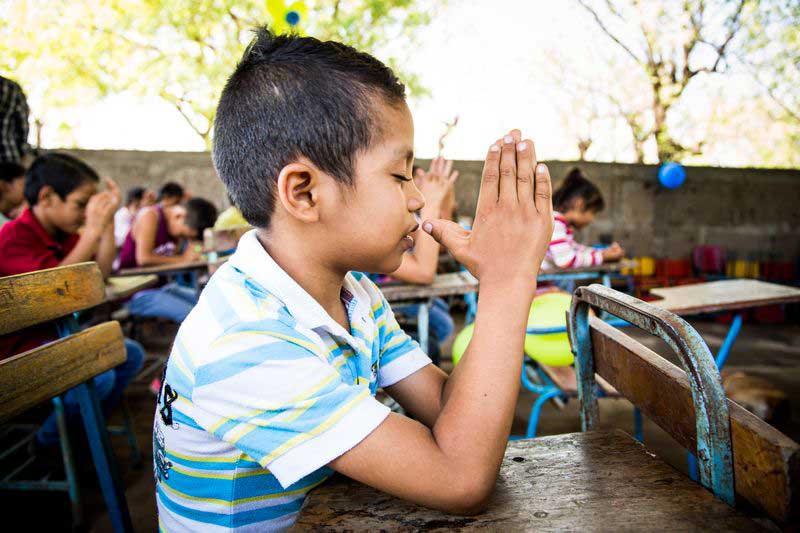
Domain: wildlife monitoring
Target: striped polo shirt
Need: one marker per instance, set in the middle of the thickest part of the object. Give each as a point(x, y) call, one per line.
point(263, 389)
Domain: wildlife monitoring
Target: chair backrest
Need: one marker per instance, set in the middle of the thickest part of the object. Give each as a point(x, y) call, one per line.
point(737, 452)
point(31, 377)
point(41, 296)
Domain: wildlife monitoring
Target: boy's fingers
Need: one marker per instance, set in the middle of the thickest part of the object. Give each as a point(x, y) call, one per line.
point(543, 191)
point(487, 198)
point(453, 178)
point(448, 168)
point(447, 233)
point(508, 170)
point(525, 169)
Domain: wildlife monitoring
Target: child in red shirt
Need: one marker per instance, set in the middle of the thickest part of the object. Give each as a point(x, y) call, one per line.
point(62, 195)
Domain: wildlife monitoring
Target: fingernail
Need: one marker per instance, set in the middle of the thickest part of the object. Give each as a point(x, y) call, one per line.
point(428, 227)
point(541, 168)
point(508, 139)
point(494, 148)
point(522, 146)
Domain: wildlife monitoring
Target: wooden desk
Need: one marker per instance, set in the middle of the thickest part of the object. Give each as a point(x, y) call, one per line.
point(119, 288)
point(167, 270)
point(600, 269)
point(443, 285)
point(600, 480)
point(726, 295)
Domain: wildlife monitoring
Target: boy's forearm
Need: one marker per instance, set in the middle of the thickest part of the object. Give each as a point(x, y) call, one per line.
point(86, 247)
point(482, 391)
point(106, 251)
point(156, 259)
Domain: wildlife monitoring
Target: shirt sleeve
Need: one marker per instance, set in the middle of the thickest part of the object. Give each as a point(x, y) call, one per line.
point(566, 253)
point(280, 403)
point(400, 355)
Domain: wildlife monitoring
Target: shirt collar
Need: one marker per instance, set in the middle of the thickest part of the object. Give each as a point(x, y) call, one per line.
point(252, 259)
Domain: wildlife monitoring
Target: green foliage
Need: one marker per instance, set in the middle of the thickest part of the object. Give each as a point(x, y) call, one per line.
point(65, 52)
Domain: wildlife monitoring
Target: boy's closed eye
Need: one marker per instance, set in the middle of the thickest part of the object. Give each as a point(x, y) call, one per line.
point(401, 177)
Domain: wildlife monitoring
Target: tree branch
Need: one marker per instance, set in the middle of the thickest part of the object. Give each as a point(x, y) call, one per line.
point(735, 26)
point(608, 32)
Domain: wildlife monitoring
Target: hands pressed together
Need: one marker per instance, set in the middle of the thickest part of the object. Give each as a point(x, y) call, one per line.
point(102, 206)
point(513, 220)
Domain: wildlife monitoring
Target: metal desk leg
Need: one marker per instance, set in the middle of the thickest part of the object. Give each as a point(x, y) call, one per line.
point(422, 325)
point(730, 338)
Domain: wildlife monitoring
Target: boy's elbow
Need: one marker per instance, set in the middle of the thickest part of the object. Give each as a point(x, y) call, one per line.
point(471, 496)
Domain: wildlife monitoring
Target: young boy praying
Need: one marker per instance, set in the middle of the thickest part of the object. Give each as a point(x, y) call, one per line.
point(270, 385)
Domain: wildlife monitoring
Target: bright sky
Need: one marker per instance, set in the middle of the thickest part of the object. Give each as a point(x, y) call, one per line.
point(487, 61)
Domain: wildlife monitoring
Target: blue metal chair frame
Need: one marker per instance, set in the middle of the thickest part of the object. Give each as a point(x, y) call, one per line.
point(719, 361)
point(99, 444)
point(710, 403)
point(546, 389)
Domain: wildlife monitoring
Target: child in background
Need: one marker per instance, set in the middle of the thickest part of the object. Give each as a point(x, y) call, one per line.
point(12, 188)
point(272, 377)
point(156, 238)
point(576, 202)
point(420, 263)
point(62, 198)
point(171, 193)
point(135, 199)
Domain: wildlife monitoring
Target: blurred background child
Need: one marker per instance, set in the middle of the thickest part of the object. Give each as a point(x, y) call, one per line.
point(576, 202)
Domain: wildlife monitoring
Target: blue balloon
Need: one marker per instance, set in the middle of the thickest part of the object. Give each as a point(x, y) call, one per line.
point(293, 18)
point(671, 175)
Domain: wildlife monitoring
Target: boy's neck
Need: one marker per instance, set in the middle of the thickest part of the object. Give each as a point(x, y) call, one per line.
point(324, 284)
point(41, 218)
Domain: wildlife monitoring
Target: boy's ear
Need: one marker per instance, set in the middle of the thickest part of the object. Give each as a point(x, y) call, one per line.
point(45, 196)
point(298, 190)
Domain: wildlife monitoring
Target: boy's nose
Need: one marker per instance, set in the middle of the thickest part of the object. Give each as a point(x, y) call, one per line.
point(416, 200)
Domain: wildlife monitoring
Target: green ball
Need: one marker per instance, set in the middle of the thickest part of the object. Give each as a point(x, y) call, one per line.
point(461, 342)
point(547, 310)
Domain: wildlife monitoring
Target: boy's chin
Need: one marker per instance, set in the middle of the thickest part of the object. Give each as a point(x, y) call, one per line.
point(386, 265)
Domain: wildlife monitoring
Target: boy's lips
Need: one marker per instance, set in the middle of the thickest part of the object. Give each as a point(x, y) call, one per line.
point(408, 240)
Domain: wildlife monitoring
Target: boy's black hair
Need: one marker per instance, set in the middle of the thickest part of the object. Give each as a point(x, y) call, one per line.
point(575, 186)
point(200, 214)
point(11, 171)
point(62, 172)
point(294, 96)
point(134, 194)
point(170, 190)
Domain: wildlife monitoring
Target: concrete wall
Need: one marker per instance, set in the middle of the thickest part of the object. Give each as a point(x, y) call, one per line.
point(754, 213)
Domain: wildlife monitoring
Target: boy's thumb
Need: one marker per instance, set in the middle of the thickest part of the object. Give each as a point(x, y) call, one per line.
point(447, 233)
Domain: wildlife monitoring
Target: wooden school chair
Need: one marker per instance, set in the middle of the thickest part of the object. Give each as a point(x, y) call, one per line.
point(72, 361)
point(605, 480)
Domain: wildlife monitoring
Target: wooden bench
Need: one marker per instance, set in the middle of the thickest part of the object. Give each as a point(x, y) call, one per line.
point(31, 377)
point(605, 480)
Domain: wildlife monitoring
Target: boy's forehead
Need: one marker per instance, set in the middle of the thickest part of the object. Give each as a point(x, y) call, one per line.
point(87, 188)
